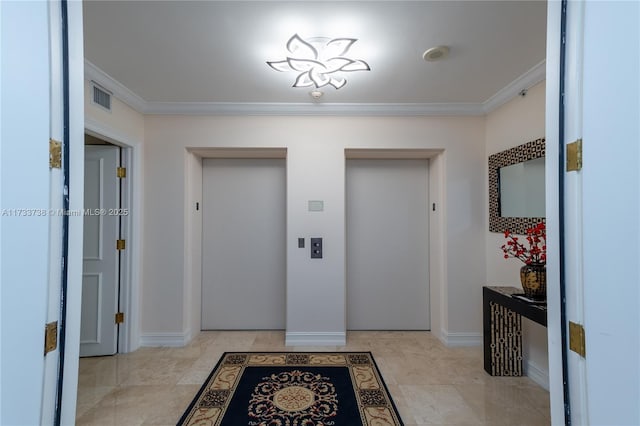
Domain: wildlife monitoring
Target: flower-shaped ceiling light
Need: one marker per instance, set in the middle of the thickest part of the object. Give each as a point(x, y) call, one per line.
point(319, 61)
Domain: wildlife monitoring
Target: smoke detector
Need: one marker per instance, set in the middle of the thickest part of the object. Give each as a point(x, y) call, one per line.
point(436, 53)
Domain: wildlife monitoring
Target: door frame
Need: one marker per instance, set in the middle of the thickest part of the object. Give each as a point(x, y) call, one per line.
point(438, 295)
point(555, 327)
point(57, 233)
point(193, 157)
point(130, 230)
point(609, 318)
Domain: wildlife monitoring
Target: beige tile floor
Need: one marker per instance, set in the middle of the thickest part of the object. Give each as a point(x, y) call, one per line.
point(430, 383)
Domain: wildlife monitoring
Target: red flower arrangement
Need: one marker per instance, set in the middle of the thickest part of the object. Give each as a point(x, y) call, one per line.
point(536, 253)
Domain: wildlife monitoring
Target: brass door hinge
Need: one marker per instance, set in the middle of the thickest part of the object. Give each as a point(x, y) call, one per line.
point(120, 244)
point(119, 317)
point(574, 156)
point(55, 154)
point(50, 337)
point(121, 172)
point(576, 339)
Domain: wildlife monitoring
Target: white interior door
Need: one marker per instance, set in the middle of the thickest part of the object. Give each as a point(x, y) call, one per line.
point(387, 245)
point(243, 245)
point(611, 200)
point(602, 272)
point(24, 200)
point(98, 331)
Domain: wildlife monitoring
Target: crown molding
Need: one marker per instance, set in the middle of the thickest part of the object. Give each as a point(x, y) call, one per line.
point(120, 91)
point(306, 109)
point(527, 80)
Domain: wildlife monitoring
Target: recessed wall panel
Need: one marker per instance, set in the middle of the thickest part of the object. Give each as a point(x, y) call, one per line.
point(93, 201)
point(90, 317)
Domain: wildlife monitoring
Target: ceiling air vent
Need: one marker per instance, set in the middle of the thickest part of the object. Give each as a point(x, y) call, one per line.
point(101, 97)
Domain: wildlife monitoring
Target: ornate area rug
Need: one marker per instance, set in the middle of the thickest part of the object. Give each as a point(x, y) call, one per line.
point(293, 389)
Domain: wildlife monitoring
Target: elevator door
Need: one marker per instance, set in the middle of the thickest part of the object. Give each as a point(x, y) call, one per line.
point(387, 245)
point(243, 245)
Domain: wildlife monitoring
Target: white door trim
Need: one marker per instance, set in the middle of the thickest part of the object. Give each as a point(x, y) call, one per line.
point(554, 332)
point(573, 205)
point(438, 291)
point(52, 359)
point(76, 202)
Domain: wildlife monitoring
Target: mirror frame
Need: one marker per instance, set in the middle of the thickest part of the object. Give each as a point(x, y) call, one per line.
point(518, 154)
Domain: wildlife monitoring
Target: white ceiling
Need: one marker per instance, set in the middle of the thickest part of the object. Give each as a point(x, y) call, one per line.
point(173, 54)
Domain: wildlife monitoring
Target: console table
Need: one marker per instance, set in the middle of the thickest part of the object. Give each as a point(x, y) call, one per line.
point(502, 328)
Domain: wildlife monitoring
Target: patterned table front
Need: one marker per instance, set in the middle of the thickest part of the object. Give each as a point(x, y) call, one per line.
point(502, 326)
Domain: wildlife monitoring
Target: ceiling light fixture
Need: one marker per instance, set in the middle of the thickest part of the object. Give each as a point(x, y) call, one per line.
point(319, 61)
point(436, 53)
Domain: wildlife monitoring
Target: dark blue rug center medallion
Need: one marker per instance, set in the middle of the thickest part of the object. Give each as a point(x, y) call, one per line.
point(293, 389)
point(294, 396)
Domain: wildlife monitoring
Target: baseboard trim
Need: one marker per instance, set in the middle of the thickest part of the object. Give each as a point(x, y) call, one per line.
point(537, 374)
point(165, 339)
point(294, 338)
point(454, 340)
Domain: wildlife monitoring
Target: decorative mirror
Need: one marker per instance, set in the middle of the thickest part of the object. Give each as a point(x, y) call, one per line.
point(516, 188)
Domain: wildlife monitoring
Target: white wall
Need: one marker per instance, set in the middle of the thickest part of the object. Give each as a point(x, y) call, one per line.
point(123, 123)
point(170, 309)
point(519, 121)
point(315, 171)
